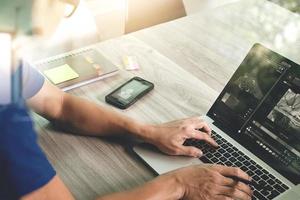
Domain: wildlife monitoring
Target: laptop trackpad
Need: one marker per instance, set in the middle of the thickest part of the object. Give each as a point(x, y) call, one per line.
point(162, 163)
point(292, 194)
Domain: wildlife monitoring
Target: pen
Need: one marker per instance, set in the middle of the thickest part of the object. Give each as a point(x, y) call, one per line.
point(247, 182)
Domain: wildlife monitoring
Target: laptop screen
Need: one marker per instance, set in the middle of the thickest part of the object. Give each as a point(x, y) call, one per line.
point(260, 108)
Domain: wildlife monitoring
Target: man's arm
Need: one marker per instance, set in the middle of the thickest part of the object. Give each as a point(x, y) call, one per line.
point(196, 182)
point(165, 187)
point(200, 182)
point(85, 117)
point(55, 189)
point(82, 115)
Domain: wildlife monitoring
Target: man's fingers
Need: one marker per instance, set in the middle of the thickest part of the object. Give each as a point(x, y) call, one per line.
point(204, 137)
point(228, 182)
point(244, 188)
point(234, 193)
point(222, 197)
point(232, 172)
point(202, 126)
point(239, 185)
point(191, 151)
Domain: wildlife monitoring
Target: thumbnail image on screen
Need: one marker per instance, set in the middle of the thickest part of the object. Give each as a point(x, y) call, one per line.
point(286, 115)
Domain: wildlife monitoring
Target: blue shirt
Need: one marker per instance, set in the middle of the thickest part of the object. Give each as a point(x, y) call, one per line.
point(23, 165)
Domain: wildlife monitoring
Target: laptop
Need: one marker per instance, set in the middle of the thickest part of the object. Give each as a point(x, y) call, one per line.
point(256, 122)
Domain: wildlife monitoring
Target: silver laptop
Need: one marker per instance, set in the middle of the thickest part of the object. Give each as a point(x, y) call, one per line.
point(256, 121)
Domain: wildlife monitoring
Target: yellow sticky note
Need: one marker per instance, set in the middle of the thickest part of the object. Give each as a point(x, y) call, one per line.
point(61, 74)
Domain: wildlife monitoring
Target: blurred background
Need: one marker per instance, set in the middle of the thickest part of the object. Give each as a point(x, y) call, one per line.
point(99, 20)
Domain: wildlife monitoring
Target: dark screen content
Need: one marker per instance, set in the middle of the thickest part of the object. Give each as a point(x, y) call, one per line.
point(285, 119)
point(130, 91)
point(277, 123)
point(262, 99)
point(246, 89)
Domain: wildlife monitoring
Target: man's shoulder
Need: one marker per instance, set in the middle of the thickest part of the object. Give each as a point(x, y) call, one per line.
point(33, 80)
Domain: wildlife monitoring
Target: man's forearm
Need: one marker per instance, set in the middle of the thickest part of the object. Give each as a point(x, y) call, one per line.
point(88, 118)
point(55, 189)
point(165, 187)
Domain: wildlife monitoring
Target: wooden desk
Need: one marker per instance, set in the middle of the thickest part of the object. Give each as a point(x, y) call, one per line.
point(189, 60)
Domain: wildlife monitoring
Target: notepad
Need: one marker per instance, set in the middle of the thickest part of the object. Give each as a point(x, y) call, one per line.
point(76, 68)
point(61, 74)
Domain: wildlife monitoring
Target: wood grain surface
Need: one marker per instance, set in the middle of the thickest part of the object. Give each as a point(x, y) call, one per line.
point(189, 60)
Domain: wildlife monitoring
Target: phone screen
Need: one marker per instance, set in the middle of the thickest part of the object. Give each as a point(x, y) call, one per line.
point(130, 91)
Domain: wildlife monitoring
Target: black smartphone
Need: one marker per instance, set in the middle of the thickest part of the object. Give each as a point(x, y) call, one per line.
point(128, 93)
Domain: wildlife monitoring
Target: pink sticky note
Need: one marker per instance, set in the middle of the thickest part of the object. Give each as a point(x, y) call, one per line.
point(131, 63)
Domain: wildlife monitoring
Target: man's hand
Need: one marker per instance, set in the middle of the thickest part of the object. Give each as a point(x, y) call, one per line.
point(200, 182)
point(205, 182)
point(170, 137)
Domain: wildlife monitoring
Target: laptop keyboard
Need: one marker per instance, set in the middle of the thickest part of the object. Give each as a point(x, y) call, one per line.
point(265, 185)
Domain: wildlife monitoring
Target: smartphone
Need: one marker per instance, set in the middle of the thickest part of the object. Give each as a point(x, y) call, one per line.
point(128, 93)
